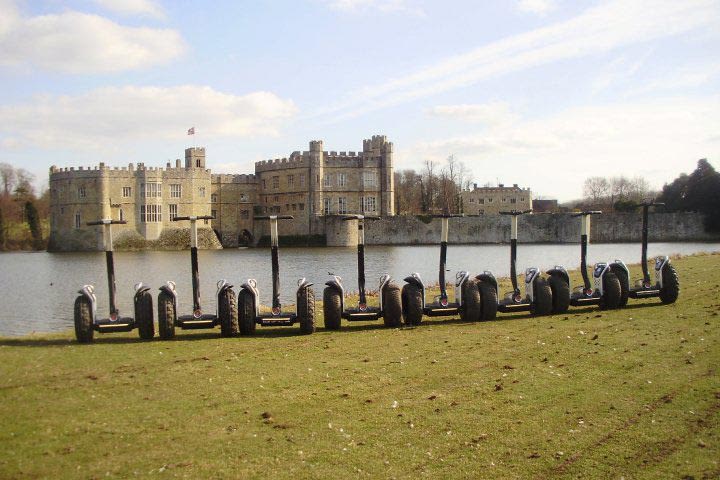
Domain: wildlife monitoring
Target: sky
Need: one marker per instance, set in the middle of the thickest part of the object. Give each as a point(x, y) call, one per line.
point(542, 93)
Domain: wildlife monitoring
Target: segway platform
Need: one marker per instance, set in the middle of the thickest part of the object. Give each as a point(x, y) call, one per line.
point(107, 325)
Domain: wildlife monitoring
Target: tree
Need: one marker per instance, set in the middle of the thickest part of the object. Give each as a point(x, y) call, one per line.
point(596, 189)
point(2, 231)
point(697, 192)
point(7, 177)
point(34, 223)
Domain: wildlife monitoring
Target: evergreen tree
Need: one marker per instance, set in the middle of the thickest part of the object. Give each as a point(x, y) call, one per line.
point(697, 192)
point(33, 220)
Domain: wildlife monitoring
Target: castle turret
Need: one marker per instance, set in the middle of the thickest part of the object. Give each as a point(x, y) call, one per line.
point(195, 157)
point(315, 182)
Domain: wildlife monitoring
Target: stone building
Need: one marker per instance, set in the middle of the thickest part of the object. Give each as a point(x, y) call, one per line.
point(489, 200)
point(309, 185)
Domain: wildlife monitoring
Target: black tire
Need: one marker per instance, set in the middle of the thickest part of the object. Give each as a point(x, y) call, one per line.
point(472, 307)
point(144, 316)
point(83, 320)
point(332, 308)
point(671, 285)
point(392, 306)
point(624, 280)
point(411, 301)
point(306, 310)
point(488, 301)
point(166, 316)
point(246, 312)
point(543, 298)
point(228, 310)
point(560, 290)
point(611, 292)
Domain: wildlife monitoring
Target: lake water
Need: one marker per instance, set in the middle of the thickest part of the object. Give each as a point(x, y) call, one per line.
point(38, 289)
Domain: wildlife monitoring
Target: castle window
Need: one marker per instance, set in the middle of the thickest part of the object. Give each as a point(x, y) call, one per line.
point(341, 179)
point(81, 193)
point(294, 206)
point(122, 215)
point(290, 181)
point(213, 197)
point(175, 190)
point(513, 200)
point(126, 192)
point(243, 197)
point(490, 200)
point(368, 204)
point(151, 190)
point(150, 213)
point(78, 220)
point(62, 210)
point(201, 191)
point(264, 184)
point(481, 201)
point(302, 179)
point(197, 163)
point(276, 198)
point(342, 205)
point(287, 207)
point(301, 206)
point(472, 200)
point(327, 180)
point(369, 179)
point(173, 210)
point(213, 213)
point(276, 182)
point(244, 214)
point(327, 205)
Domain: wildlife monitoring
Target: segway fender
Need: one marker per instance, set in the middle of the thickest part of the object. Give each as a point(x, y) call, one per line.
point(598, 274)
point(531, 276)
point(619, 264)
point(488, 277)
point(251, 286)
point(88, 291)
point(337, 286)
point(660, 264)
point(384, 280)
point(140, 288)
point(222, 286)
point(414, 279)
point(460, 279)
point(169, 288)
point(560, 271)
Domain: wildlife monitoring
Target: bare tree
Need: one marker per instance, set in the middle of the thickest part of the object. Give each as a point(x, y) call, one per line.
point(596, 189)
point(7, 176)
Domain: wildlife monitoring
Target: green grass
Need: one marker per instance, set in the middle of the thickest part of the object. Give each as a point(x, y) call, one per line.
point(632, 393)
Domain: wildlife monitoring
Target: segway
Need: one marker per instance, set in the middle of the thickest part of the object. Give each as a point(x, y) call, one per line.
point(86, 319)
point(467, 294)
point(538, 296)
point(606, 292)
point(667, 284)
point(226, 311)
point(249, 295)
point(390, 308)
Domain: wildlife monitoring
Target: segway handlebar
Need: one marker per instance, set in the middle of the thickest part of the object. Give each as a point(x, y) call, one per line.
point(107, 222)
point(360, 217)
point(652, 204)
point(516, 212)
point(448, 215)
point(278, 217)
point(587, 212)
point(199, 217)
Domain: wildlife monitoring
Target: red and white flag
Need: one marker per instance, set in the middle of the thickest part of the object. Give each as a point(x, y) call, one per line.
point(191, 131)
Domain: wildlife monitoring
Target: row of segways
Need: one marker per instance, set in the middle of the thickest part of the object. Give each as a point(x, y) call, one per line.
point(476, 298)
point(234, 315)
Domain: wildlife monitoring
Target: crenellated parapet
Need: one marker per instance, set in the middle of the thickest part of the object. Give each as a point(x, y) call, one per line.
point(295, 161)
point(224, 178)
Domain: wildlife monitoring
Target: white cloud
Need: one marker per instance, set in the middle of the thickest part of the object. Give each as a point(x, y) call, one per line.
point(74, 42)
point(597, 30)
point(488, 113)
point(133, 7)
point(113, 115)
point(540, 7)
point(655, 139)
point(384, 6)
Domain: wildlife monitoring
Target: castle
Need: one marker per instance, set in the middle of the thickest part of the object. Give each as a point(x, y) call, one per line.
point(309, 185)
point(489, 200)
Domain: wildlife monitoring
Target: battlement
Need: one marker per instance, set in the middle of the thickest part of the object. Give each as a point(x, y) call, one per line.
point(295, 161)
point(249, 179)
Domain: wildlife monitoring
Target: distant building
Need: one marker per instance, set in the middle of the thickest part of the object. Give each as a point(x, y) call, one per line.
point(493, 200)
point(545, 206)
point(306, 185)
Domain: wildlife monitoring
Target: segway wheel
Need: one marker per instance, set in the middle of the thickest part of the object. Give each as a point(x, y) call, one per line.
point(83, 320)
point(560, 290)
point(144, 316)
point(306, 310)
point(246, 312)
point(611, 292)
point(411, 301)
point(624, 280)
point(543, 298)
point(332, 308)
point(392, 306)
point(488, 301)
point(228, 310)
point(472, 304)
point(166, 316)
point(671, 285)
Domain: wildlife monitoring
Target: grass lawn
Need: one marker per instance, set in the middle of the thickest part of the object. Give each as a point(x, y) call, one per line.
point(630, 393)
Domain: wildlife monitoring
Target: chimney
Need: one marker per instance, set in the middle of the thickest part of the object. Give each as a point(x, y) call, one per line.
point(177, 163)
point(515, 185)
point(501, 185)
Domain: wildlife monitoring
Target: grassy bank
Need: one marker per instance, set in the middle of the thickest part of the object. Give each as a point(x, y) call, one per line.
point(632, 393)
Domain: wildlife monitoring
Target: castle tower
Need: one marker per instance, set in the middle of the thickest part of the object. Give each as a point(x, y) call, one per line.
point(315, 182)
point(195, 157)
point(388, 179)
